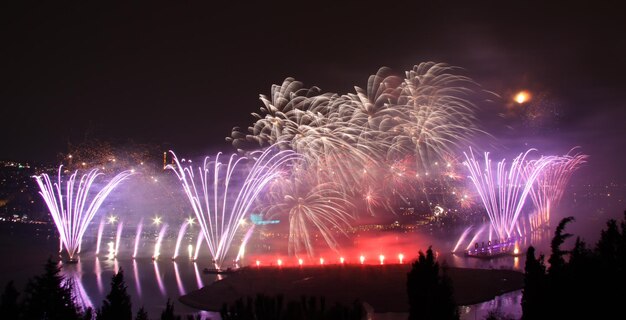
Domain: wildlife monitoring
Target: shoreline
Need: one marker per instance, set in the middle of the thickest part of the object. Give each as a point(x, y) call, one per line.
point(383, 287)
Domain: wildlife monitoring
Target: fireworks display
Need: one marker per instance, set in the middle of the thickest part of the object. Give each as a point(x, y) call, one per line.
point(72, 208)
point(319, 206)
point(550, 185)
point(362, 149)
point(222, 193)
point(315, 147)
point(327, 160)
point(503, 189)
point(426, 114)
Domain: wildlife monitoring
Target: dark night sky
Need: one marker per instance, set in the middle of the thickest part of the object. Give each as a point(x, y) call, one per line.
point(186, 73)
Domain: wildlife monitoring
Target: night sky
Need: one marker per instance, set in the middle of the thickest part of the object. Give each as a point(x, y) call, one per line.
point(185, 74)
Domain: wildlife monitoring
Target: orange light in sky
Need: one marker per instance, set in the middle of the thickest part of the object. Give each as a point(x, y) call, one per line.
point(522, 96)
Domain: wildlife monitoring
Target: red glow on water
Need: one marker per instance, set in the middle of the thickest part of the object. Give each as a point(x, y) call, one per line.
point(341, 259)
point(366, 249)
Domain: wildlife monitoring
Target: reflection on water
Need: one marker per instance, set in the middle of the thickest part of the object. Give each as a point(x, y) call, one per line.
point(181, 288)
point(509, 304)
point(157, 276)
point(198, 278)
point(136, 273)
point(75, 279)
point(152, 283)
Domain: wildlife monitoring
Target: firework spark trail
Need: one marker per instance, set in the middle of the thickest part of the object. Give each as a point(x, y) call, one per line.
point(218, 206)
point(438, 116)
point(469, 244)
point(319, 205)
point(461, 238)
point(503, 194)
point(372, 200)
point(73, 211)
point(244, 242)
point(548, 190)
point(199, 241)
point(118, 237)
point(99, 236)
point(137, 237)
point(157, 246)
point(181, 233)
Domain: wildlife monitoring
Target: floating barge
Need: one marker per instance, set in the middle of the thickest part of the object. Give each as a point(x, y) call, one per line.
point(494, 250)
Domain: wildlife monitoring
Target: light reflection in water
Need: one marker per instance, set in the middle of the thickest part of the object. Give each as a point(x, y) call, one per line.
point(176, 278)
point(136, 273)
point(169, 279)
point(509, 304)
point(98, 273)
point(157, 274)
point(198, 279)
point(79, 291)
point(99, 237)
point(72, 274)
point(179, 283)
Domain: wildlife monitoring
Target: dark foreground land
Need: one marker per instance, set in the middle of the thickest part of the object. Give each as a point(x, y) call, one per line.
point(382, 287)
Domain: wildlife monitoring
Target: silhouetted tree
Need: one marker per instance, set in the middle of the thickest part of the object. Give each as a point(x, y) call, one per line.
point(580, 254)
point(168, 313)
point(498, 315)
point(580, 283)
point(117, 305)
point(556, 261)
point(49, 296)
point(88, 314)
point(611, 268)
point(533, 296)
point(430, 294)
point(608, 246)
point(264, 307)
point(142, 314)
point(9, 308)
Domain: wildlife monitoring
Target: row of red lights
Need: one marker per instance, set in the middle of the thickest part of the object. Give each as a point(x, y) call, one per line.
point(342, 260)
